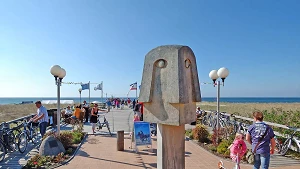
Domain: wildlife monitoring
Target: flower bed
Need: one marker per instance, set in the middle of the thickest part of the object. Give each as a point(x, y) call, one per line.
point(201, 136)
point(70, 141)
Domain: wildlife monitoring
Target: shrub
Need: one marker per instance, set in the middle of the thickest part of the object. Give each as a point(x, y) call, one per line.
point(189, 133)
point(77, 137)
point(221, 135)
point(223, 147)
point(200, 133)
point(65, 137)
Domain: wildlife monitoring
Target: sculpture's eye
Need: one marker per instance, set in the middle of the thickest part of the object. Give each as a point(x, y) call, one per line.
point(187, 63)
point(161, 63)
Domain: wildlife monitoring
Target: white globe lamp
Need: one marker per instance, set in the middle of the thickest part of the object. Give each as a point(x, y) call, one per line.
point(55, 70)
point(223, 73)
point(62, 73)
point(213, 75)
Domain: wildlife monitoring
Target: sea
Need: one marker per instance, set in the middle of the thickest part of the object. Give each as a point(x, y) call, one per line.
point(17, 100)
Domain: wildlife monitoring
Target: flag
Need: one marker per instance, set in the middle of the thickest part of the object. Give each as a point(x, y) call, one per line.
point(98, 87)
point(85, 86)
point(133, 86)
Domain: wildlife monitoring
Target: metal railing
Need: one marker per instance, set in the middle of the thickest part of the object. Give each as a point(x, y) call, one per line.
point(15, 120)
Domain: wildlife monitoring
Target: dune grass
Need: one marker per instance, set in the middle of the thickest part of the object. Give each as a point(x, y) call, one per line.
point(11, 112)
point(246, 109)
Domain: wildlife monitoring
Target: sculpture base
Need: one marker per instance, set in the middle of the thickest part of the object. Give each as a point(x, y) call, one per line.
point(170, 146)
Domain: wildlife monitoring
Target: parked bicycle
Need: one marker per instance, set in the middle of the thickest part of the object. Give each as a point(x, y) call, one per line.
point(7, 140)
point(29, 133)
point(105, 123)
point(288, 142)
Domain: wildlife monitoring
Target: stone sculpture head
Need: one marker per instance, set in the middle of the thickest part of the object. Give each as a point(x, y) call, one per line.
point(170, 85)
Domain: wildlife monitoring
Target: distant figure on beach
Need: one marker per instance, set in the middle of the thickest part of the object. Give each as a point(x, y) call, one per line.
point(41, 117)
point(108, 104)
point(133, 103)
point(141, 110)
point(136, 109)
point(87, 112)
point(128, 102)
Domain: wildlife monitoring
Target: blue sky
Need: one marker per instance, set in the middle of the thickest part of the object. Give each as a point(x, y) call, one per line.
point(107, 40)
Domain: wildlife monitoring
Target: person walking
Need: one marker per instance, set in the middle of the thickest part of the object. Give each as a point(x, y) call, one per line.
point(260, 136)
point(41, 117)
point(94, 117)
point(87, 111)
point(108, 103)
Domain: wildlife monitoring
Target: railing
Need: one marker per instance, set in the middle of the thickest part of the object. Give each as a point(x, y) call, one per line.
point(251, 120)
point(16, 120)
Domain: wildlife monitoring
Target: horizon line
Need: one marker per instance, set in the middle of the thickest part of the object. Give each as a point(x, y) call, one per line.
point(134, 97)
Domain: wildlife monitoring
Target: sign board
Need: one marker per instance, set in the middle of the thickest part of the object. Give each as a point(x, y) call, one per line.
point(142, 135)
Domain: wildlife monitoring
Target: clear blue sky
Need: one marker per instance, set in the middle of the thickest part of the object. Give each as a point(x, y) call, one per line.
point(107, 40)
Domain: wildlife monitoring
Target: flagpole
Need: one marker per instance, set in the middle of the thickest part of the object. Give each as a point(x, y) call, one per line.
point(89, 92)
point(102, 91)
point(136, 92)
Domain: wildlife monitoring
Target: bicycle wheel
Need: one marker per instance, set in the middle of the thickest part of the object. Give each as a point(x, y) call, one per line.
point(285, 147)
point(22, 142)
point(2, 151)
point(34, 135)
point(278, 146)
point(205, 121)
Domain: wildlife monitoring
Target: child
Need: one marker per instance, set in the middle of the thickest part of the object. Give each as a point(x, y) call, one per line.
point(237, 148)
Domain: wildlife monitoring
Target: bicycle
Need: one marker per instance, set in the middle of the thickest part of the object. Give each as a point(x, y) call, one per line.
point(288, 142)
point(29, 133)
point(104, 124)
point(7, 141)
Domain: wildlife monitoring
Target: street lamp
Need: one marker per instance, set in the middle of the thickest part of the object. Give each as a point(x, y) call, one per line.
point(80, 90)
point(214, 75)
point(58, 73)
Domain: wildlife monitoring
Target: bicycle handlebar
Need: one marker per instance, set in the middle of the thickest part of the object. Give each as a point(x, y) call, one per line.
point(292, 128)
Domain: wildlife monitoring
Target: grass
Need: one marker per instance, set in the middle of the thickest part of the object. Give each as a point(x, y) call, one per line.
point(11, 112)
point(246, 109)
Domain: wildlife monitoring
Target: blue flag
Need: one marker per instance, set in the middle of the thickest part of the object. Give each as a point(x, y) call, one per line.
point(85, 86)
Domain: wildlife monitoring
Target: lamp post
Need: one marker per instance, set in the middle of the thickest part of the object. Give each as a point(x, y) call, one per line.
point(214, 75)
point(58, 73)
point(80, 90)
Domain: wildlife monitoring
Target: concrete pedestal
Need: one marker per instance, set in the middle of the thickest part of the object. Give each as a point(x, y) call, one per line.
point(170, 146)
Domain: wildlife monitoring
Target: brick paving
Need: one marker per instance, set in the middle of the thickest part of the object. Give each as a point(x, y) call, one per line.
point(100, 152)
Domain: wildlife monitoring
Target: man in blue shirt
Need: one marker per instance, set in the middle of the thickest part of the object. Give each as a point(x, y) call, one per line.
point(41, 117)
point(108, 103)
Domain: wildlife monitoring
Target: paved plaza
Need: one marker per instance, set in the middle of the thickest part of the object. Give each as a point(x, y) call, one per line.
point(100, 151)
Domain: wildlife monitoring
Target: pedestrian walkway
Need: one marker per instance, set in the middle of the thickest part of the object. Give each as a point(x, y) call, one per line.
point(101, 152)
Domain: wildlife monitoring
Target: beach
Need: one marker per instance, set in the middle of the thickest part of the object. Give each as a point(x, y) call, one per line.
point(12, 111)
